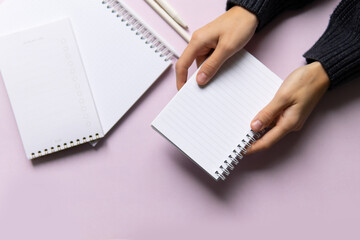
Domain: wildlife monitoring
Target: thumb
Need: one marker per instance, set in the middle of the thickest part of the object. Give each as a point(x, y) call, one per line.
point(211, 66)
point(268, 114)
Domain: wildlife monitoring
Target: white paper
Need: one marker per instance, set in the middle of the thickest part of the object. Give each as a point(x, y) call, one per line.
point(48, 88)
point(208, 123)
point(119, 65)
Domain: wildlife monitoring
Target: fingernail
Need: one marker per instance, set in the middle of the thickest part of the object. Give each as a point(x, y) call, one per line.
point(257, 125)
point(202, 78)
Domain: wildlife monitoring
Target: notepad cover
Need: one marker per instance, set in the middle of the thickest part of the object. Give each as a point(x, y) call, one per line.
point(120, 66)
point(48, 88)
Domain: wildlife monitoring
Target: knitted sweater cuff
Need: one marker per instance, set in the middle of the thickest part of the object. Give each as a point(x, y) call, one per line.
point(260, 8)
point(338, 49)
point(266, 10)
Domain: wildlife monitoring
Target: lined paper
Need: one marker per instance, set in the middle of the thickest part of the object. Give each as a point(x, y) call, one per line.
point(207, 123)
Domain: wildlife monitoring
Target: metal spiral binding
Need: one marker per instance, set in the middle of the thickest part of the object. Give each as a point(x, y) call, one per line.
point(136, 26)
point(237, 154)
point(63, 146)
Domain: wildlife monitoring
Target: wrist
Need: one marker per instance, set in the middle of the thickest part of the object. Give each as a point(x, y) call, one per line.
point(245, 15)
point(319, 75)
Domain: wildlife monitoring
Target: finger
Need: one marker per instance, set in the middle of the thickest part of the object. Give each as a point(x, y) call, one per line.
point(212, 64)
point(201, 59)
point(184, 62)
point(269, 139)
point(269, 113)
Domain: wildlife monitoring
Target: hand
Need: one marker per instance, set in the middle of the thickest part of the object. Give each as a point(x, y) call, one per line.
point(220, 39)
point(292, 104)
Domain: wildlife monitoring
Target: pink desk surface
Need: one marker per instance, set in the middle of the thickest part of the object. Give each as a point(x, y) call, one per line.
point(136, 185)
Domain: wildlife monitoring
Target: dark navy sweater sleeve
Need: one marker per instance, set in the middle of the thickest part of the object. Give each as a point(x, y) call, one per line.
point(266, 10)
point(338, 49)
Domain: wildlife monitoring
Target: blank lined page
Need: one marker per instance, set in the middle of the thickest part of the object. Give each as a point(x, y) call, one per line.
point(207, 123)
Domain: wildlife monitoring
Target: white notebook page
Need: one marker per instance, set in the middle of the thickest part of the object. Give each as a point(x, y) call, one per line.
point(208, 123)
point(120, 67)
point(48, 89)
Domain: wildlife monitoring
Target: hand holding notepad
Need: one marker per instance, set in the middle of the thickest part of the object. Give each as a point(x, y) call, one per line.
point(216, 42)
point(287, 111)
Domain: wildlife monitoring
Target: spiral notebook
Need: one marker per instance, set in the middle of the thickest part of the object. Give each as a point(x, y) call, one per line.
point(120, 57)
point(211, 125)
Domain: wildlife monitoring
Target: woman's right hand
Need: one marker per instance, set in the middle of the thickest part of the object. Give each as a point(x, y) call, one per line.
point(215, 43)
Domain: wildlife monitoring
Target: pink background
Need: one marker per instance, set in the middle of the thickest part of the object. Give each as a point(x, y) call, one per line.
point(136, 185)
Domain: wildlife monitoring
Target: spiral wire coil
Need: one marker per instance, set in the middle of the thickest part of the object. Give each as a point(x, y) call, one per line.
point(63, 146)
point(136, 26)
point(237, 154)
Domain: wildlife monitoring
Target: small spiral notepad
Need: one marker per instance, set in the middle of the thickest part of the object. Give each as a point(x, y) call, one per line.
point(211, 125)
point(72, 69)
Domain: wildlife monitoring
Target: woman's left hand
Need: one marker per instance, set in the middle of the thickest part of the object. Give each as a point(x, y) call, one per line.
point(291, 106)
